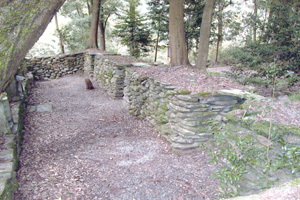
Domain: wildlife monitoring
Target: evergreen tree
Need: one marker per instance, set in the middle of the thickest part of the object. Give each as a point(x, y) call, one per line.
point(159, 16)
point(133, 30)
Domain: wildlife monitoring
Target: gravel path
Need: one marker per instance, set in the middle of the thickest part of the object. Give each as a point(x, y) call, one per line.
point(89, 147)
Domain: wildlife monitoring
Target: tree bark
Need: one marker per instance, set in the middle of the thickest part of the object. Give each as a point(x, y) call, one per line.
point(61, 44)
point(102, 30)
point(205, 35)
point(178, 49)
point(255, 18)
point(220, 29)
point(156, 46)
point(22, 23)
point(93, 36)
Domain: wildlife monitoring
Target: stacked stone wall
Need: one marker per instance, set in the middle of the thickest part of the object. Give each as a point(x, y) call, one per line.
point(109, 74)
point(186, 120)
point(183, 118)
point(12, 113)
point(47, 68)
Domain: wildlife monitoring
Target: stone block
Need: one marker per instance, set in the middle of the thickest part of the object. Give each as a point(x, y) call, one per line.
point(44, 108)
point(5, 115)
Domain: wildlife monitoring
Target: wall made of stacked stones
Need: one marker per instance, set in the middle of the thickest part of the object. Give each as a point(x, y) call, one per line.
point(109, 74)
point(185, 119)
point(12, 113)
point(54, 67)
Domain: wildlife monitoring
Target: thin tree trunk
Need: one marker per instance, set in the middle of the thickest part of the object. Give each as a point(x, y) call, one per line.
point(102, 30)
point(156, 46)
point(268, 31)
point(220, 29)
point(93, 36)
point(102, 36)
point(89, 7)
point(255, 18)
point(178, 50)
point(205, 35)
point(61, 44)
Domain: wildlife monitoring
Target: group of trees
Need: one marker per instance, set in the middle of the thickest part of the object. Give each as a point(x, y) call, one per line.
point(270, 35)
point(174, 23)
point(269, 30)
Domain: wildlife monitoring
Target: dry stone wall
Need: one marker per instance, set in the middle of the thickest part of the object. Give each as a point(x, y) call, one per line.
point(187, 120)
point(47, 68)
point(183, 118)
point(109, 74)
point(12, 112)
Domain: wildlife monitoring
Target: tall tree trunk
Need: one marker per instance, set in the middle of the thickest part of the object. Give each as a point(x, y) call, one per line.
point(178, 50)
point(220, 29)
point(93, 36)
point(269, 23)
point(16, 39)
point(61, 44)
point(102, 36)
point(102, 30)
point(205, 35)
point(255, 19)
point(156, 46)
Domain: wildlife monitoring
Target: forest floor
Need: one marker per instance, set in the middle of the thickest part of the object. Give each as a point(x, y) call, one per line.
point(89, 147)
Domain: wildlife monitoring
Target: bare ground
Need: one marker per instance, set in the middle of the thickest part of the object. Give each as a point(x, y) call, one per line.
point(89, 147)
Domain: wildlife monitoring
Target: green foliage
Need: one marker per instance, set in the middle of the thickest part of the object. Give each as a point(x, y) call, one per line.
point(290, 158)
point(132, 30)
point(277, 43)
point(76, 32)
point(203, 94)
point(295, 96)
point(159, 17)
point(241, 152)
point(184, 92)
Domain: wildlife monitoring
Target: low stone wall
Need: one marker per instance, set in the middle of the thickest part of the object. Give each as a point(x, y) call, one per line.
point(109, 74)
point(243, 144)
point(11, 125)
point(256, 154)
point(183, 118)
point(54, 67)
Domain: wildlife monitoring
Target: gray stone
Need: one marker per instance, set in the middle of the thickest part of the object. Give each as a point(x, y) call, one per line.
point(31, 108)
point(180, 140)
point(5, 115)
point(40, 71)
point(139, 64)
point(184, 146)
point(225, 103)
point(291, 138)
point(241, 94)
point(44, 108)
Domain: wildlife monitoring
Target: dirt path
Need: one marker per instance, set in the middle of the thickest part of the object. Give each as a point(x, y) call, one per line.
point(89, 147)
